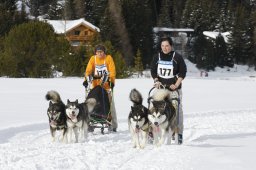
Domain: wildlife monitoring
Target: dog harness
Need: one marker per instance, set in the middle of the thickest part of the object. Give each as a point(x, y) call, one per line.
point(165, 68)
point(61, 127)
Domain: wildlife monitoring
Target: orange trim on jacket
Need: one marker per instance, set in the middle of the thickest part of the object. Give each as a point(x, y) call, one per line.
point(109, 62)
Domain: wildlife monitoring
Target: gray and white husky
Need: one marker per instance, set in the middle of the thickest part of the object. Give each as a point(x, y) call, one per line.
point(138, 120)
point(77, 121)
point(162, 115)
point(56, 115)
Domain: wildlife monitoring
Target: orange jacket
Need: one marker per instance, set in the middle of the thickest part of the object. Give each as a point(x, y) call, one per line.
point(108, 60)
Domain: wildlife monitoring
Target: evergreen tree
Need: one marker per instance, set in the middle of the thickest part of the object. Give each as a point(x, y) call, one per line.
point(120, 29)
point(80, 8)
point(34, 6)
point(106, 30)
point(138, 66)
point(35, 52)
point(94, 10)
point(240, 42)
point(89, 11)
point(121, 67)
point(56, 10)
point(253, 36)
point(73, 63)
point(164, 19)
point(38, 7)
point(69, 10)
point(21, 15)
point(204, 53)
point(221, 53)
point(140, 35)
point(200, 15)
point(7, 15)
point(177, 10)
point(225, 16)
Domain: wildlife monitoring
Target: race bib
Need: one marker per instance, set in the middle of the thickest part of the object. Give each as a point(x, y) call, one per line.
point(100, 70)
point(165, 69)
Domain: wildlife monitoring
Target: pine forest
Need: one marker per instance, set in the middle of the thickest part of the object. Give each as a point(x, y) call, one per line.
point(31, 48)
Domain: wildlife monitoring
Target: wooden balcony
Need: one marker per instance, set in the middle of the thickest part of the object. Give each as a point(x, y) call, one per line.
point(79, 38)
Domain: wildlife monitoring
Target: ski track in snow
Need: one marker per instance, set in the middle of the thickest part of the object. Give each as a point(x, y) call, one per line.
point(30, 147)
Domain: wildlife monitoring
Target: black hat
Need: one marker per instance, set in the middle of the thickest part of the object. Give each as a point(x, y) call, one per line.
point(165, 38)
point(100, 48)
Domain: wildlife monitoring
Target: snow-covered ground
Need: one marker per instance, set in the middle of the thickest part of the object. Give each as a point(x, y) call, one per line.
point(219, 120)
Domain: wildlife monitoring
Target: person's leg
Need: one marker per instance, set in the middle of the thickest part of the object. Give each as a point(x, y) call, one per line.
point(180, 119)
point(113, 112)
point(113, 115)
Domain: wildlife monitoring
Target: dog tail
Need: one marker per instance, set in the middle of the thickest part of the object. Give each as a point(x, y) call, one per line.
point(53, 96)
point(161, 94)
point(136, 97)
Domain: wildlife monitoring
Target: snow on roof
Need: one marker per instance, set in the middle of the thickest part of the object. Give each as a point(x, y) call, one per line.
point(62, 26)
point(215, 34)
point(157, 29)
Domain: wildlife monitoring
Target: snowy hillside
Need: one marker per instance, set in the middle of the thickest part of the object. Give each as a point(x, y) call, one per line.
point(219, 120)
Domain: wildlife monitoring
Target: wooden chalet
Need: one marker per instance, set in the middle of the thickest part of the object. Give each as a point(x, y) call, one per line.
point(78, 32)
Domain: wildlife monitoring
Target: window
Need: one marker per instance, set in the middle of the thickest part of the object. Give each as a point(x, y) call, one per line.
point(77, 32)
point(86, 32)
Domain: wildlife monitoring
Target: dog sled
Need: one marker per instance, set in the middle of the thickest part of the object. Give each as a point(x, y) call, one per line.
point(100, 114)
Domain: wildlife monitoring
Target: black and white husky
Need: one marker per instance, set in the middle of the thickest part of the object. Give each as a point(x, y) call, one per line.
point(77, 120)
point(56, 114)
point(162, 116)
point(138, 120)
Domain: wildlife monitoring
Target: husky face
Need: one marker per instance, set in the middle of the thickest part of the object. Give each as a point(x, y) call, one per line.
point(138, 116)
point(54, 111)
point(72, 110)
point(157, 113)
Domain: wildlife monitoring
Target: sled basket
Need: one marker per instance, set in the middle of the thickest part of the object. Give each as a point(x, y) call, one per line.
point(101, 116)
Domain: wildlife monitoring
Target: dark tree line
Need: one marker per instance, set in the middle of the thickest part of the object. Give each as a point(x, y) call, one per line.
point(126, 27)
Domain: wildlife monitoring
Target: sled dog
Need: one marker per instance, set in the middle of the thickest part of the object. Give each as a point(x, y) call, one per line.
point(162, 116)
point(56, 114)
point(77, 120)
point(138, 120)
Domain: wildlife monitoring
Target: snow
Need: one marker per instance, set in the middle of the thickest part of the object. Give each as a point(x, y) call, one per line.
point(63, 26)
point(157, 29)
point(19, 6)
point(215, 34)
point(219, 126)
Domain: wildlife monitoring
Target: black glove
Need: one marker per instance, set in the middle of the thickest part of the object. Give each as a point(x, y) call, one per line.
point(85, 84)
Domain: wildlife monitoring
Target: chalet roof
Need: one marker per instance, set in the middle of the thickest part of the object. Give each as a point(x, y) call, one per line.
point(215, 34)
point(165, 29)
point(63, 26)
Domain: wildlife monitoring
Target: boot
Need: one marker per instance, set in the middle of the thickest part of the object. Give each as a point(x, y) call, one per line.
point(180, 139)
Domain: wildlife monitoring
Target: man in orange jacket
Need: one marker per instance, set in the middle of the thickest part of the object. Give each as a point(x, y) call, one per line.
point(101, 70)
